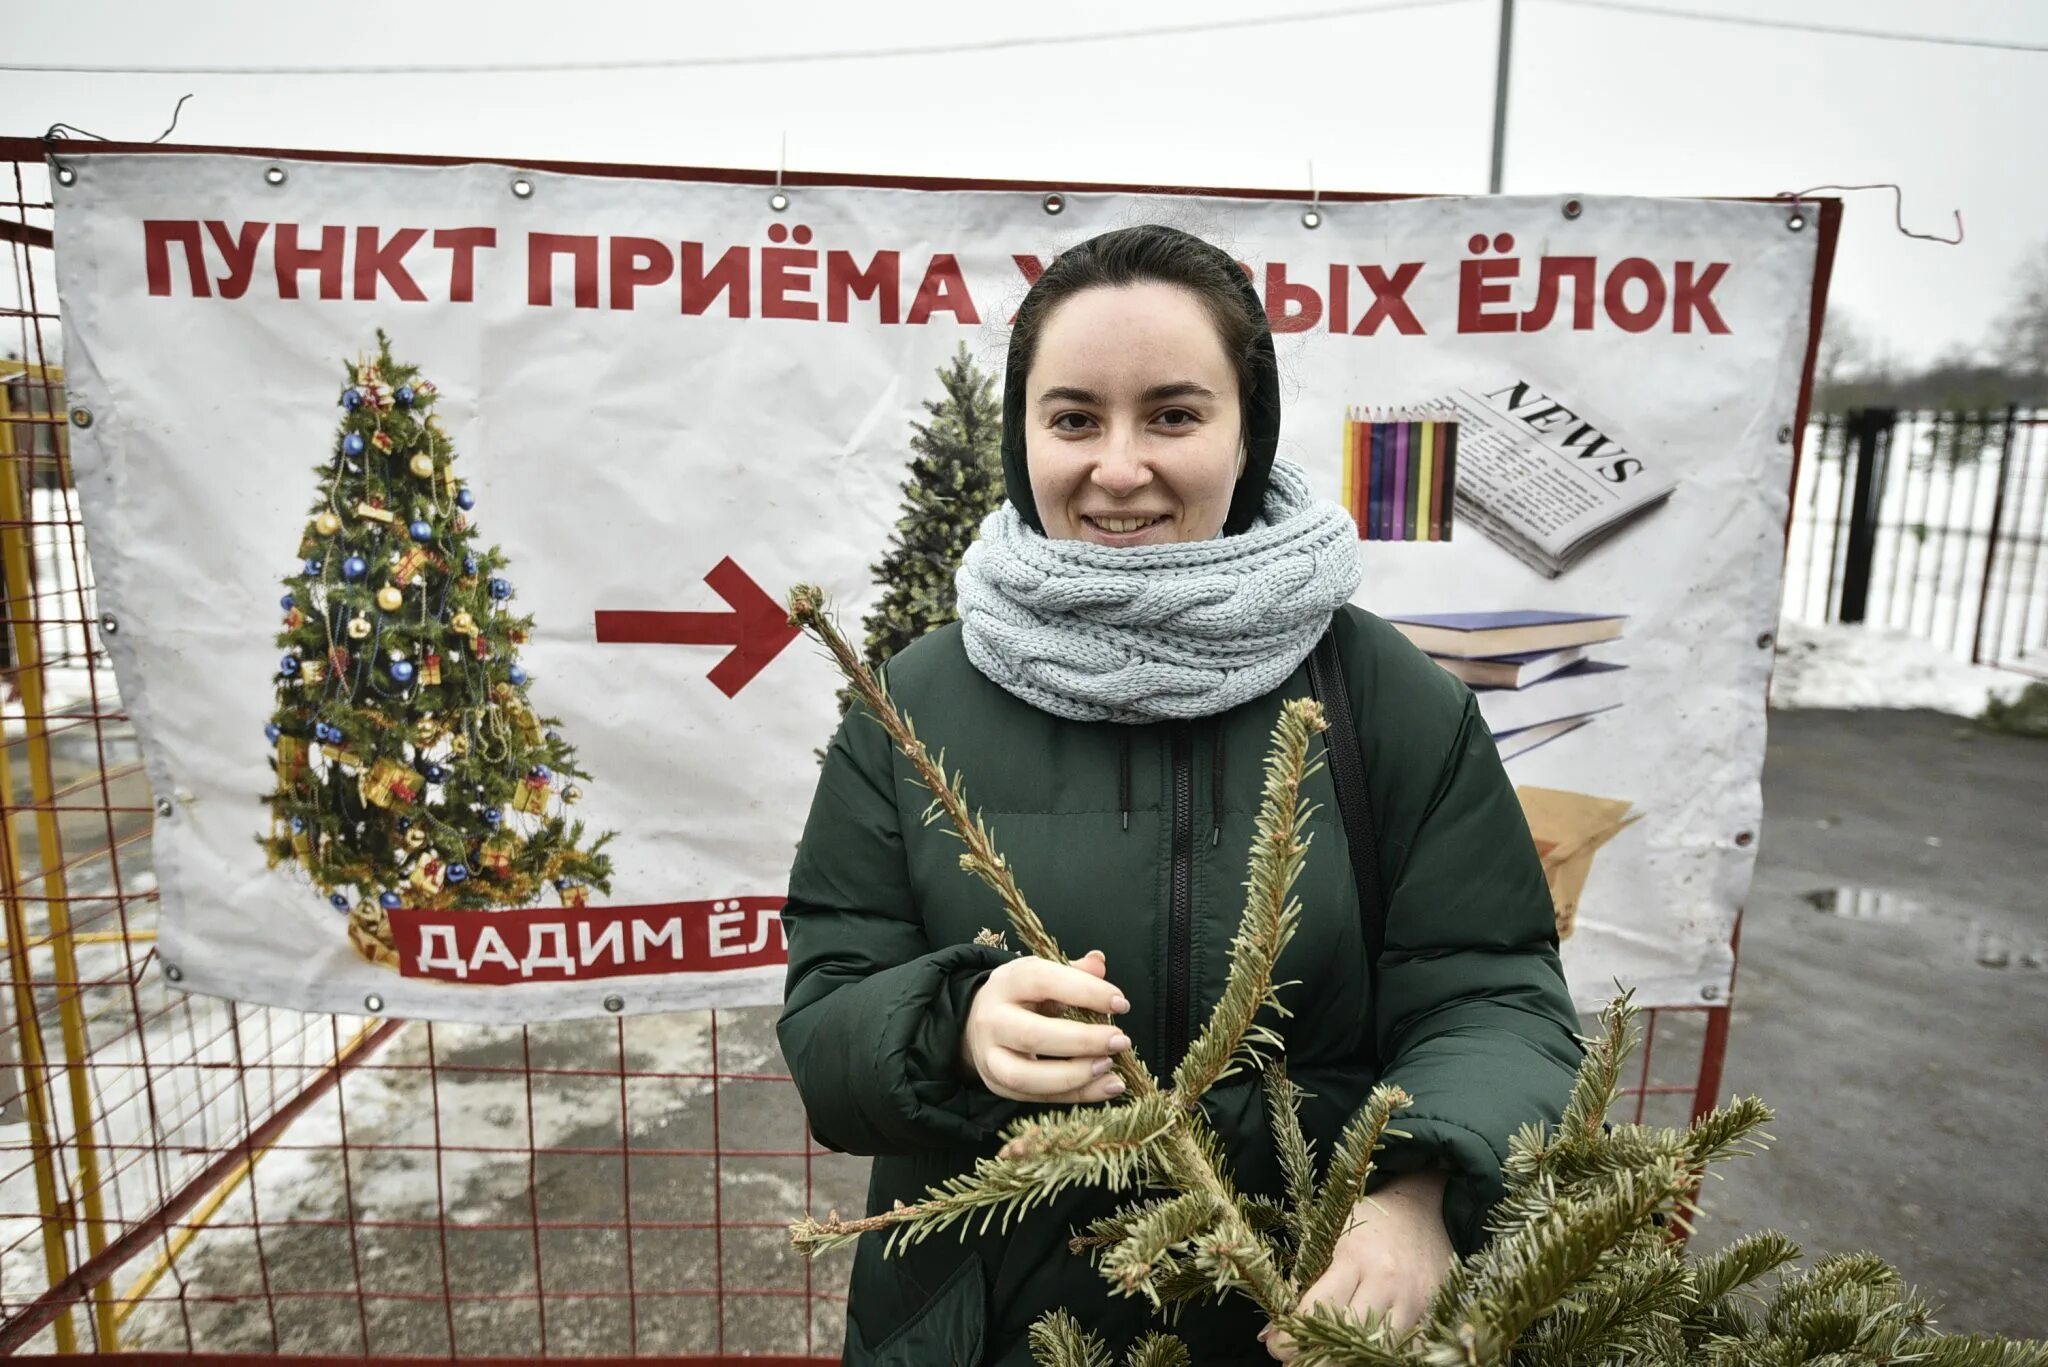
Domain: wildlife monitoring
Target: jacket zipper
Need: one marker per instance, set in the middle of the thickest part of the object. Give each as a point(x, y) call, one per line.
point(1180, 908)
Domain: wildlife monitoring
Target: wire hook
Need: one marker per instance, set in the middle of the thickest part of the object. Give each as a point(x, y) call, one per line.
point(1898, 209)
point(57, 132)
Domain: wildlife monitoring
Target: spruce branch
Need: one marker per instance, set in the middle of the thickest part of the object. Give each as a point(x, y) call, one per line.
point(949, 797)
point(1721, 1274)
point(1058, 1340)
point(1808, 1292)
point(1731, 1131)
point(1351, 1167)
point(1265, 1214)
point(1599, 1078)
point(1295, 1154)
point(1159, 1350)
point(1978, 1351)
point(1235, 1259)
point(807, 610)
point(1111, 1229)
point(1270, 917)
point(1151, 1240)
point(1627, 1314)
point(1327, 1335)
point(1525, 1272)
point(1111, 1147)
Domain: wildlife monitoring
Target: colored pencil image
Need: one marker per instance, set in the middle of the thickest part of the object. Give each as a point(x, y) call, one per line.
point(1399, 474)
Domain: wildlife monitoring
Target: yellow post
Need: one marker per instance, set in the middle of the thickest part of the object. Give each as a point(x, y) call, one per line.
point(16, 566)
point(34, 1075)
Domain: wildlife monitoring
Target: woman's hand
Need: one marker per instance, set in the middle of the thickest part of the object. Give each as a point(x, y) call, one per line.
point(1391, 1259)
point(1015, 1042)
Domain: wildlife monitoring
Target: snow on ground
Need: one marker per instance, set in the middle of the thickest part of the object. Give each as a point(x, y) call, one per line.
point(1858, 666)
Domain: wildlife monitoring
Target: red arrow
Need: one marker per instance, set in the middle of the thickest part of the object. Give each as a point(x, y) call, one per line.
point(757, 628)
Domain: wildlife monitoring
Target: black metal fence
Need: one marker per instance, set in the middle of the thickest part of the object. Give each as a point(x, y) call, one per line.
point(1927, 523)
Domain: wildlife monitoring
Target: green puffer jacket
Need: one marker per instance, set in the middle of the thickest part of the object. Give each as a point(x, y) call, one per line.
point(1133, 840)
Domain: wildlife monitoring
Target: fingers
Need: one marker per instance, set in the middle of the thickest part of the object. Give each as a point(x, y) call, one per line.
point(1034, 1057)
point(1030, 1033)
point(1037, 980)
point(1021, 1077)
point(1024, 1049)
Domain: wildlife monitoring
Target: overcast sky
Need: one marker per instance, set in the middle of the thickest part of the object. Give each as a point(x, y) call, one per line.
point(1603, 101)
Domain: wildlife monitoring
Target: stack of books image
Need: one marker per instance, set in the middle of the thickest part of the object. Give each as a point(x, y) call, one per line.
point(1531, 670)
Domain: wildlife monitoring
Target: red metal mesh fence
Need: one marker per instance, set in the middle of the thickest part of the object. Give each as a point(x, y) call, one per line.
point(187, 1176)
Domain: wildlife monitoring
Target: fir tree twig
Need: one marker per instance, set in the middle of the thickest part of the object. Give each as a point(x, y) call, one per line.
point(1270, 917)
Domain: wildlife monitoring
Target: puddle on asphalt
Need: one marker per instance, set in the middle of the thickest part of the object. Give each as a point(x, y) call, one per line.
point(1987, 946)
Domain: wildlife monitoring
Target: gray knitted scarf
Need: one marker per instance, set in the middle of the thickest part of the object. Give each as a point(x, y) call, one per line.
point(1148, 633)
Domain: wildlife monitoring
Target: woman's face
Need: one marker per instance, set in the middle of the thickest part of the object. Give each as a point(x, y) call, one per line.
point(1133, 433)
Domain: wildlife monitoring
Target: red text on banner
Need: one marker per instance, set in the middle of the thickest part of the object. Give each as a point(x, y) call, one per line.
point(374, 263)
point(571, 944)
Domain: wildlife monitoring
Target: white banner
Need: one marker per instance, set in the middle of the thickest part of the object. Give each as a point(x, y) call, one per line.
point(667, 401)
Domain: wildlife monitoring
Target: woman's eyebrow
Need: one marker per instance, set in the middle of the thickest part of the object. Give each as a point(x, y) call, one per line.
point(1177, 389)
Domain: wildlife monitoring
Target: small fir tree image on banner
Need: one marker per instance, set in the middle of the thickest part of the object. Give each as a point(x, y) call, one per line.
point(956, 480)
point(411, 768)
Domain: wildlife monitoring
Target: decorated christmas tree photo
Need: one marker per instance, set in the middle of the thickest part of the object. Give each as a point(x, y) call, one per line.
point(411, 768)
point(1585, 1264)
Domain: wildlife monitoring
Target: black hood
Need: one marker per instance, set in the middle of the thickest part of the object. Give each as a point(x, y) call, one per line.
point(1261, 414)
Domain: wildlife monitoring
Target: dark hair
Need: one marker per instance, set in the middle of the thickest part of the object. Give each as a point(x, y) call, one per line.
point(1155, 253)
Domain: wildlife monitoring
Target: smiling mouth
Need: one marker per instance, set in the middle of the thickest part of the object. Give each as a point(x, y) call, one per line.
point(1121, 526)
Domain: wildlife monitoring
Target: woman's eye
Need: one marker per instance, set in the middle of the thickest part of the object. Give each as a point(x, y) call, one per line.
point(1060, 422)
point(1182, 412)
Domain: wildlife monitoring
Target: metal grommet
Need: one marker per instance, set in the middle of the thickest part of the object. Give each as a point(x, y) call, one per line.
point(81, 416)
point(1710, 993)
point(1796, 222)
point(1573, 208)
point(174, 973)
point(65, 175)
point(615, 1003)
point(1311, 219)
point(1744, 837)
point(1784, 434)
point(110, 624)
point(778, 201)
point(165, 808)
point(1053, 203)
point(522, 188)
point(373, 1003)
point(1764, 640)
point(274, 176)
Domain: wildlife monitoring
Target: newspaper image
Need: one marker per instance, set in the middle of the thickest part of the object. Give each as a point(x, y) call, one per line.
point(1543, 479)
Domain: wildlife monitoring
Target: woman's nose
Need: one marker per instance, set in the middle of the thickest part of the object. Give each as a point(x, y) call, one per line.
point(1122, 469)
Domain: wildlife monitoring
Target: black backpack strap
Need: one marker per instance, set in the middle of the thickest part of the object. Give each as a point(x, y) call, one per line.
point(1347, 769)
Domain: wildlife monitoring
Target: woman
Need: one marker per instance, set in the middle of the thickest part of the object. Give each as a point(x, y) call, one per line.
point(1131, 621)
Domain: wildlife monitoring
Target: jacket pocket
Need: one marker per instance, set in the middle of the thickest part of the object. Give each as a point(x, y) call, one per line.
point(946, 1331)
